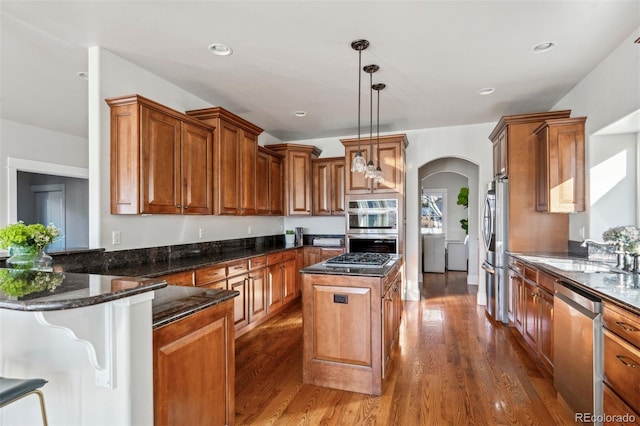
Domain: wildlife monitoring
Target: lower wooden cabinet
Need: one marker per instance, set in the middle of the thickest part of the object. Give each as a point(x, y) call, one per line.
point(258, 294)
point(240, 283)
point(194, 369)
point(313, 255)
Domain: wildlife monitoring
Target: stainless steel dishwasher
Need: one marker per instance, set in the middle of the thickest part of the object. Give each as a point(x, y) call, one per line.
point(577, 349)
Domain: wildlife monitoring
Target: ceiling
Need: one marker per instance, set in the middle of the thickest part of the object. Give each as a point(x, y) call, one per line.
point(434, 56)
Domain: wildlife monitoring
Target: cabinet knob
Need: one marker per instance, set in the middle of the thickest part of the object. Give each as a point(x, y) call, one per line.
point(629, 363)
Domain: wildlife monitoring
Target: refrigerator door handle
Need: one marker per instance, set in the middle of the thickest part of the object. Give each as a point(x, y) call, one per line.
point(487, 267)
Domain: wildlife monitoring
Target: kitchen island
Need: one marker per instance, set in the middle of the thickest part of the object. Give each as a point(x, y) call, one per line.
point(93, 337)
point(351, 318)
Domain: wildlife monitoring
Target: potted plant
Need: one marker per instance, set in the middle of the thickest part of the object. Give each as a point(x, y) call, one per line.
point(26, 244)
point(289, 237)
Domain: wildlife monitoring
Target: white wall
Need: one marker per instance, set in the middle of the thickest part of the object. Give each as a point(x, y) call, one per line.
point(119, 77)
point(611, 91)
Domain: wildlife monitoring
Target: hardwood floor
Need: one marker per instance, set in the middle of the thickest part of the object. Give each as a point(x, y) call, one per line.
point(450, 367)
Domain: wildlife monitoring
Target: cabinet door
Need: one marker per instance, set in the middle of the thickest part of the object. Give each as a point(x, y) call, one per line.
point(500, 155)
point(241, 303)
point(542, 173)
point(355, 182)
point(275, 185)
point(299, 183)
point(262, 183)
point(290, 273)
point(228, 168)
point(183, 355)
point(545, 327)
point(276, 291)
point(392, 164)
point(258, 294)
point(530, 331)
point(299, 266)
point(197, 176)
point(248, 151)
point(312, 255)
point(160, 162)
point(322, 196)
point(387, 324)
point(328, 253)
point(338, 175)
point(125, 152)
point(519, 303)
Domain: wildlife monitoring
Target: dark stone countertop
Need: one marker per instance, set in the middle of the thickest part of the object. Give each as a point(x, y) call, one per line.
point(622, 289)
point(172, 302)
point(323, 268)
point(48, 291)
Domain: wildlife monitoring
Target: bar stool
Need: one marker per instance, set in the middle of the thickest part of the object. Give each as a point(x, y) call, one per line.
point(12, 390)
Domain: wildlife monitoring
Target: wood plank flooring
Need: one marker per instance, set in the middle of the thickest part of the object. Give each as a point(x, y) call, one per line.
point(451, 366)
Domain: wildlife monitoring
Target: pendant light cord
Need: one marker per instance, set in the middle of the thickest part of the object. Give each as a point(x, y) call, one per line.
point(359, 93)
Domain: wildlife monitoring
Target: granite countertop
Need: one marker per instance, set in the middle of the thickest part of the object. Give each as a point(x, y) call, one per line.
point(622, 289)
point(48, 291)
point(193, 262)
point(172, 303)
point(323, 268)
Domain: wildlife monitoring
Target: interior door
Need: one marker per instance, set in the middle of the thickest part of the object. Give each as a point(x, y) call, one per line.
point(50, 208)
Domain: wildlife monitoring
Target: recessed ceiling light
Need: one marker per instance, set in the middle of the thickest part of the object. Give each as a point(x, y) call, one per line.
point(220, 49)
point(83, 74)
point(486, 91)
point(543, 47)
point(300, 113)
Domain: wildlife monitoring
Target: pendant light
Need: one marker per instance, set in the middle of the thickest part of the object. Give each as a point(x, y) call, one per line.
point(379, 175)
point(358, 163)
point(370, 171)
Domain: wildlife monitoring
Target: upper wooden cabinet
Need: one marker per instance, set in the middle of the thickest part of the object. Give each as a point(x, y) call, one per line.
point(161, 160)
point(500, 160)
point(235, 152)
point(328, 186)
point(515, 133)
point(268, 182)
point(561, 165)
point(297, 176)
point(391, 154)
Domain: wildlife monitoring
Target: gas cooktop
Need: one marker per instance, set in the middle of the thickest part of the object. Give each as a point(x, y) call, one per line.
point(359, 260)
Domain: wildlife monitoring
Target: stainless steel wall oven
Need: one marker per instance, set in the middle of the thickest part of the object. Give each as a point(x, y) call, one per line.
point(369, 216)
point(372, 243)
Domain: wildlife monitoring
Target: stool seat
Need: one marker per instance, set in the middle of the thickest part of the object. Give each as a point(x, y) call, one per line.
point(14, 389)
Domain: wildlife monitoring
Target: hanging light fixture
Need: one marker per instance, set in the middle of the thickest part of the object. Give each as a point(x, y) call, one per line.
point(358, 163)
point(370, 171)
point(379, 174)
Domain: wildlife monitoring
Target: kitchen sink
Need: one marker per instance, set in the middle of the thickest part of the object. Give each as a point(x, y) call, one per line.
point(572, 265)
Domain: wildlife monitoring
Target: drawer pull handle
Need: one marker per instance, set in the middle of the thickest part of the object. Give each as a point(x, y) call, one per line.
point(626, 326)
point(630, 364)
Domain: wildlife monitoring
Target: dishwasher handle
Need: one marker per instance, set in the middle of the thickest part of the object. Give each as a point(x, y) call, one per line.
point(571, 293)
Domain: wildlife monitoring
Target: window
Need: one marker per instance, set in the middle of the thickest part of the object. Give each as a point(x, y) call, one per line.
point(432, 212)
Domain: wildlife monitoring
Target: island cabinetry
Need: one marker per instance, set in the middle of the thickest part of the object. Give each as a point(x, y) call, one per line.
point(297, 177)
point(194, 369)
point(560, 172)
point(161, 160)
point(328, 187)
point(514, 134)
point(391, 314)
point(235, 152)
point(391, 156)
point(268, 182)
point(621, 361)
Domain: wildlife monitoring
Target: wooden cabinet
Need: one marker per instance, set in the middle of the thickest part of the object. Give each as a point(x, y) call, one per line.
point(500, 158)
point(180, 278)
point(313, 255)
point(328, 187)
point(518, 150)
point(268, 182)
point(258, 294)
point(161, 160)
point(392, 307)
point(235, 153)
point(281, 279)
point(561, 162)
point(392, 163)
point(194, 358)
point(297, 177)
point(621, 360)
point(516, 295)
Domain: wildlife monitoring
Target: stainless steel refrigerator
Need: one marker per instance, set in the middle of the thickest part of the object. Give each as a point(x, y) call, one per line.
point(494, 235)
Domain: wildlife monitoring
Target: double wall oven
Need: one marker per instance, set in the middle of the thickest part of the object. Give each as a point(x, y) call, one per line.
point(372, 225)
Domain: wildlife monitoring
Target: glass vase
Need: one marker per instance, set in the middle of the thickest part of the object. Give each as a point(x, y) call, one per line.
point(42, 261)
point(21, 257)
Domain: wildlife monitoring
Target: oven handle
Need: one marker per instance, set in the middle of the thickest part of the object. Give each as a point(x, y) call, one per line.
point(489, 268)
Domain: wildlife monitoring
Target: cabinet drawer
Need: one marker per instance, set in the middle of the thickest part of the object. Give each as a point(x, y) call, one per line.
point(210, 274)
point(179, 278)
point(237, 267)
point(257, 262)
point(274, 258)
point(516, 265)
point(622, 369)
point(531, 274)
point(624, 324)
point(547, 282)
point(288, 255)
point(617, 411)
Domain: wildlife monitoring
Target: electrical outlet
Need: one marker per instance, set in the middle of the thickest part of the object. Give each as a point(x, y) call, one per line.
point(115, 238)
point(581, 232)
point(201, 233)
point(249, 230)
